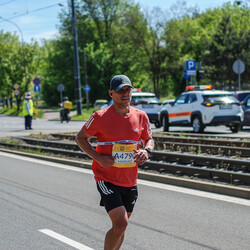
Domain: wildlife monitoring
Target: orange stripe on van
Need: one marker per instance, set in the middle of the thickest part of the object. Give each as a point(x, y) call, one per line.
point(179, 114)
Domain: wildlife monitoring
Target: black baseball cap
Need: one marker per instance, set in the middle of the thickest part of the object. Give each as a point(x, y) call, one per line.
point(119, 81)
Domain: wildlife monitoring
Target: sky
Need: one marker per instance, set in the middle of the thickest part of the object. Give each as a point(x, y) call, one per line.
point(38, 19)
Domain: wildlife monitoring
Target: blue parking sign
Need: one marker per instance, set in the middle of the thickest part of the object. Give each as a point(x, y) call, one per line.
point(186, 75)
point(190, 67)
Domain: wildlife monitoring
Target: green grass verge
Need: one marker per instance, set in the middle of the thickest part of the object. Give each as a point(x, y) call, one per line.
point(84, 116)
point(14, 112)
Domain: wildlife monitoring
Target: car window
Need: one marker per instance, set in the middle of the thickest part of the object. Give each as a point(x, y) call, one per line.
point(100, 102)
point(144, 100)
point(181, 100)
point(220, 98)
point(242, 96)
point(191, 98)
point(248, 102)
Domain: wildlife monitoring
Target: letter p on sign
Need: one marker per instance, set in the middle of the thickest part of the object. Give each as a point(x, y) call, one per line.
point(190, 65)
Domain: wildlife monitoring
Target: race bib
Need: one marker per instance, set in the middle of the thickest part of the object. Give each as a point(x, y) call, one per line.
point(124, 155)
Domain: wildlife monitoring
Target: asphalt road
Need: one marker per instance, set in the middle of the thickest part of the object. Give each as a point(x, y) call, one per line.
point(52, 206)
point(14, 126)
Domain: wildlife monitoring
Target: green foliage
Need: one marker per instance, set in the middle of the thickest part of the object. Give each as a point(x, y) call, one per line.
point(117, 37)
point(17, 65)
point(229, 42)
point(57, 68)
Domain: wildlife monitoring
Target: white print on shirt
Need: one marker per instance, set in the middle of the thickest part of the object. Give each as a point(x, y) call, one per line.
point(88, 123)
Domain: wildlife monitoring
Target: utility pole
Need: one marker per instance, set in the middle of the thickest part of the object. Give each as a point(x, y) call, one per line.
point(85, 67)
point(76, 62)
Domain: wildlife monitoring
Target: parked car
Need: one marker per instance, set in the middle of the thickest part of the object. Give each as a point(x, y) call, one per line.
point(168, 101)
point(145, 101)
point(110, 102)
point(241, 95)
point(201, 106)
point(245, 104)
point(98, 103)
point(149, 103)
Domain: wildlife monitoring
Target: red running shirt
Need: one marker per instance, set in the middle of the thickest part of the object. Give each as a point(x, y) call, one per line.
point(108, 126)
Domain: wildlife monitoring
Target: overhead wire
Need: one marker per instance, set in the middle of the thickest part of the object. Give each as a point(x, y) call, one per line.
point(32, 11)
point(7, 2)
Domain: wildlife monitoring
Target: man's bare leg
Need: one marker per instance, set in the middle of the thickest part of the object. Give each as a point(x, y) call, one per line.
point(119, 243)
point(115, 235)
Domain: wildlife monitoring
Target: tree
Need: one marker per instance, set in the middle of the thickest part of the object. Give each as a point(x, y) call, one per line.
point(230, 42)
point(144, 38)
point(16, 62)
point(118, 38)
point(57, 68)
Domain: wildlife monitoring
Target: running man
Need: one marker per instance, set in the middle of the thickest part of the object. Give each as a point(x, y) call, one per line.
point(124, 142)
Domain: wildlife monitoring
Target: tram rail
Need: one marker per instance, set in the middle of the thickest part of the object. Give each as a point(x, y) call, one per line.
point(230, 170)
point(211, 147)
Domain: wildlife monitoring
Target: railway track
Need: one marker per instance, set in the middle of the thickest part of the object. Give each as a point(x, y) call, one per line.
point(198, 144)
point(200, 166)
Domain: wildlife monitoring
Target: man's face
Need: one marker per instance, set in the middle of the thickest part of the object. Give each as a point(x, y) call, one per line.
point(123, 96)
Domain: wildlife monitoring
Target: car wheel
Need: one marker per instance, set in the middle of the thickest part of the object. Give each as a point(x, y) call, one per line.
point(235, 128)
point(165, 123)
point(157, 125)
point(197, 125)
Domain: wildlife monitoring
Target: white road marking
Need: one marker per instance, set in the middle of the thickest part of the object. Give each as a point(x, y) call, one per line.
point(169, 187)
point(48, 163)
point(65, 240)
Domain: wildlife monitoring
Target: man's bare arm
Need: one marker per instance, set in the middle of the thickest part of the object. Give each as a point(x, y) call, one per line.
point(82, 139)
point(150, 144)
point(142, 155)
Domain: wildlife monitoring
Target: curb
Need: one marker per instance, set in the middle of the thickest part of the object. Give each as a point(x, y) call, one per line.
point(198, 185)
point(177, 181)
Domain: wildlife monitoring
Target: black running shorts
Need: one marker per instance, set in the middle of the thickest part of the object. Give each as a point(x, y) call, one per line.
point(113, 196)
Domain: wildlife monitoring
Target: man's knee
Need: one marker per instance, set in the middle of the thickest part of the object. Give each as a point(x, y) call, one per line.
point(120, 227)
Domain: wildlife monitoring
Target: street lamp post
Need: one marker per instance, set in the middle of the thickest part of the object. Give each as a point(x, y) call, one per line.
point(76, 62)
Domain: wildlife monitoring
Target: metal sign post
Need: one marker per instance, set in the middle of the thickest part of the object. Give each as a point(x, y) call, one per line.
point(60, 88)
point(86, 89)
point(76, 62)
point(187, 77)
point(37, 88)
point(238, 68)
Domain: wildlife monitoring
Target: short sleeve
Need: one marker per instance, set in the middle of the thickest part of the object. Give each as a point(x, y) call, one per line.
point(146, 131)
point(91, 126)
